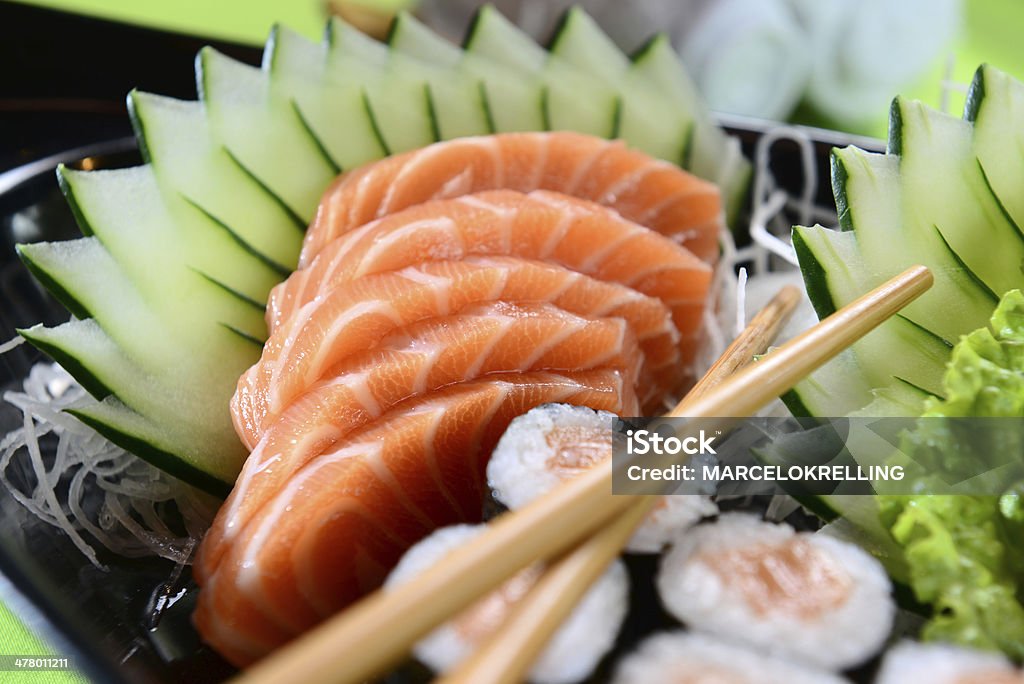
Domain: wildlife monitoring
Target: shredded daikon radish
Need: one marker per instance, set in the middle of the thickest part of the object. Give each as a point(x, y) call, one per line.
point(69, 476)
point(769, 258)
point(11, 344)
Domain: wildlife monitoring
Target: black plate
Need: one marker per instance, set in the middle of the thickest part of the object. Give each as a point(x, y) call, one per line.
point(104, 619)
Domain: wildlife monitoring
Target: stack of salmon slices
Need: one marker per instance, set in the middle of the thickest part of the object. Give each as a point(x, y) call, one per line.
point(440, 294)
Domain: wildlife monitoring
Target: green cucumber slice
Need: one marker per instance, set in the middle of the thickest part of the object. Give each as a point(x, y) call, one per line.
point(647, 120)
point(831, 390)
point(455, 100)
point(201, 437)
point(573, 100)
point(87, 280)
point(193, 457)
point(944, 187)
point(713, 155)
point(945, 195)
point(338, 114)
point(871, 200)
point(161, 253)
point(995, 105)
point(175, 138)
point(260, 129)
point(835, 274)
point(401, 105)
point(513, 102)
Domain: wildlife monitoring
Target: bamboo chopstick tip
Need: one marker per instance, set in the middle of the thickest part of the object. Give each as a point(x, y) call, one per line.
point(920, 274)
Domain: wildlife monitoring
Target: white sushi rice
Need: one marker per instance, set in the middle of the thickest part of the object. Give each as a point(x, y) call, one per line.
point(575, 649)
point(525, 465)
point(677, 657)
point(914, 663)
point(802, 595)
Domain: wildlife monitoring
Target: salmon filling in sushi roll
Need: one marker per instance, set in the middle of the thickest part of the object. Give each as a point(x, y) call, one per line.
point(807, 596)
point(574, 650)
point(555, 442)
point(686, 658)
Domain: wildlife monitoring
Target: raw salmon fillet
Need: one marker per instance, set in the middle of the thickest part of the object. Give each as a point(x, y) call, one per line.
point(442, 293)
point(480, 340)
point(356, 315)
point(342, 520)
point(645, 190)
point(548, 226)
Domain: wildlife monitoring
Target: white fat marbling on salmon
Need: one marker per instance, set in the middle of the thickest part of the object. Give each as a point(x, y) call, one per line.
point(260, 463)
point(355, 205)
point(356, 383)
point(473, 370)
point(441, 285)
point(571, 327)
point(341, 322)
point(478, 201)
point(582, 170)
point(381, 245)
point(459, 184)
point(410, 172)
point(561, 229)
point(651, 213)
point(610, 195)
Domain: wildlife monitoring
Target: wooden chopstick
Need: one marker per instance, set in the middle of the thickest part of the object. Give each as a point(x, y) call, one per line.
point(379, 630)
point(507, 655)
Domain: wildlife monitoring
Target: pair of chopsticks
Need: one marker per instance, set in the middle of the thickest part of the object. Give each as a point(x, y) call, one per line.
point(507, 655)
point(377, 632)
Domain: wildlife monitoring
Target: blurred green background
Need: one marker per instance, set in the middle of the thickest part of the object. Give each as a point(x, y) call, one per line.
point(991, 32)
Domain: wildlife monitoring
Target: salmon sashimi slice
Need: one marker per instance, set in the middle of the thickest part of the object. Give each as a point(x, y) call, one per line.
point(645, 190)
point(480, 340)
point(355, 316)
point(332, 532)
point(547, 226)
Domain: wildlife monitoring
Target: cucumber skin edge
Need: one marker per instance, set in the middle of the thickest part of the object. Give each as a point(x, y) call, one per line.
point(894, 145)
point(839, 175)
point(92, 384)
point(157, 457)
point(975, 95)
point(69, 196)
point(795, 404)
point(52, 286)
point(138, 127)
point(815, 277)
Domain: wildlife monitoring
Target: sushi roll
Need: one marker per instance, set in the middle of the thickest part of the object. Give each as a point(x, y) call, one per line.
point(912, 663)
point(553, 443)
point(800, 595)
point(701, 659)
point(574, 651)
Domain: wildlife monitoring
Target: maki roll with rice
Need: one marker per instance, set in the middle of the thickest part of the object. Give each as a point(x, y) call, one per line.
point(912, 663)
point(688, 658)
point(806, 596)
point(555, 442)
point(573, 652)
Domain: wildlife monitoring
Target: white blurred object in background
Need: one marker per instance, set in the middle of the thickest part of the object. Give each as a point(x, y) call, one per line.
point(748, 56)
point(845, 58)
point(866, 51)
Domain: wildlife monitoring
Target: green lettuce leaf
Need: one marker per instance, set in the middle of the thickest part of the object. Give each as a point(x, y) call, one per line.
point(965, 553)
